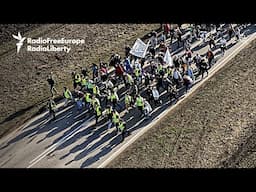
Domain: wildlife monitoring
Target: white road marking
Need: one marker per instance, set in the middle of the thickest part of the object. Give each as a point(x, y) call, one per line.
point(192, 90)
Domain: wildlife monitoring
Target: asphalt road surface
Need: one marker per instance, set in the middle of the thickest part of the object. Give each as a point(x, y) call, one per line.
point(73, 140)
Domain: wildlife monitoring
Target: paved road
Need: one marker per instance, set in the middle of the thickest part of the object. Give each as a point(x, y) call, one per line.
point(73, 141)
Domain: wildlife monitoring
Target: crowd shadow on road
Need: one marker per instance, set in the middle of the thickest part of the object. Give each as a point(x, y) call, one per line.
point(110, 140)
point(43, 124)
point(93, 137)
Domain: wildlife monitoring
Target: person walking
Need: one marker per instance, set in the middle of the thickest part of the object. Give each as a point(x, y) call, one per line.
point(128, 101)
point(203, 68)
point(115, 119)
point(211, 42)
point(52, 109)
point(147, 109)
point(122, 129)
point(67, 95)
point(98, 112)
point(140, 104)
point(109, 113)
point(223, 45)
point(88, 99)
point(51, 82)
point(114, 98)
point(210, 57)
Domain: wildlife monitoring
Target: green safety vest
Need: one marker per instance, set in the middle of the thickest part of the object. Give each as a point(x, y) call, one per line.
point(98, 110)
point(115, 117)
point(112, 97)
point(139, 101)
point(137, 72)
point(87, 97)
point(127, 99)
point(94, 101)
point(109, 110)
point(67, 94)
point(168, 71)
point(159, 68)
point(83, 82)
point(121, 126)
point(95, 90)
point(129, 78)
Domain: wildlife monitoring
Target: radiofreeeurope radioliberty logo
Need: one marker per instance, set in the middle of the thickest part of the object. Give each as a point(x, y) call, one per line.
point(20, 39)
point(47, 44)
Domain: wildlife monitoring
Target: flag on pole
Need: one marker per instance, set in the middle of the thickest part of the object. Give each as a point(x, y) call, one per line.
point(139, 48)
point(167, 58)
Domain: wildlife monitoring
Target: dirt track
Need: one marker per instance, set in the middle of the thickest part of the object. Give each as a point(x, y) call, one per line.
point(23, 77)
point(214, 128)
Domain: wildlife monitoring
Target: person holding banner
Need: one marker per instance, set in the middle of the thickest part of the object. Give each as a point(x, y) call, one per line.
point(139, 49)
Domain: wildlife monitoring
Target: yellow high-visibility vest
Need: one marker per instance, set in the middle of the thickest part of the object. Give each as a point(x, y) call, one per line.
point(121, 126)
point(95, 102)
point(98, 110)
point(137, 72)
point(130, 79)
point(115, 117)
point(159, 68)
point(95, 89)
point(109, 111)
point(139, 101)
point(77, 78)
point(127, 99)
point(112, 97)
point(83, 82)
point(67, 94)
point(87, 97)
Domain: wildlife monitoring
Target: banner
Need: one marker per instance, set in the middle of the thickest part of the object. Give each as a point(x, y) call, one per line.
point(167, 58)
point(139, 48)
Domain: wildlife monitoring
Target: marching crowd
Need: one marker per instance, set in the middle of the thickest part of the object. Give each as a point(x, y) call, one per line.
point(99, 89)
